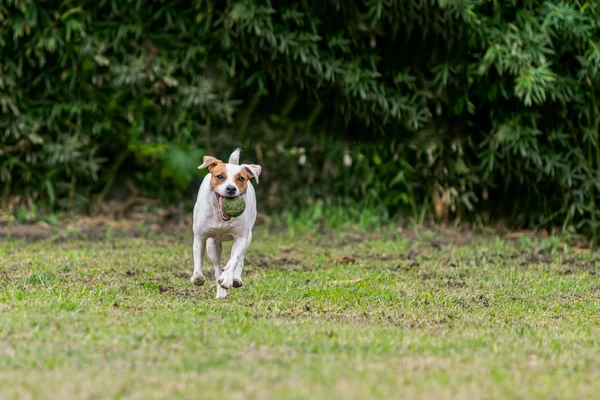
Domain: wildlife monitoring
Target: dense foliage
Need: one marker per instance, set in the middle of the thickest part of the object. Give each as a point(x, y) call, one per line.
point(473, 109)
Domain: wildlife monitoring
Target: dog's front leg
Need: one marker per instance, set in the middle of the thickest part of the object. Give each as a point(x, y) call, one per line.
point(237, 274)
point(240, 245)
point(199, 248)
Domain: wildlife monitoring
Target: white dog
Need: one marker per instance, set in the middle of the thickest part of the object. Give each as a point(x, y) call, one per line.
point(212, 226)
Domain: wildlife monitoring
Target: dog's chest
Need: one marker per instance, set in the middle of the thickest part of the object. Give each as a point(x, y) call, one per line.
point(219, 230)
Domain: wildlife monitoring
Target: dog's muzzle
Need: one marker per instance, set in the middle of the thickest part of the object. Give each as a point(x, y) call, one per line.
point(222, 213)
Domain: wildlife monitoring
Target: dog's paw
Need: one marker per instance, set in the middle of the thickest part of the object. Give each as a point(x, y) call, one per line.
point(221, 293)
point(198, 280)
point(226, 280)
point(237, 283)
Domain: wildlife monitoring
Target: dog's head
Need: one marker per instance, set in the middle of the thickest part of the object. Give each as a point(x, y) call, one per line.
point(229, 179)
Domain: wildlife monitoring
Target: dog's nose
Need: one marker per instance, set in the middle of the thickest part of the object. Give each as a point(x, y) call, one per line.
point(230, 189)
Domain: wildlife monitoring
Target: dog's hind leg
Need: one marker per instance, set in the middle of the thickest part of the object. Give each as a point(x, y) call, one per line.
point(199, 247)
point(214, 249)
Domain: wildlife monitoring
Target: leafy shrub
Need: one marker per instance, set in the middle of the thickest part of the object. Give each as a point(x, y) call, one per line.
point(464, 109)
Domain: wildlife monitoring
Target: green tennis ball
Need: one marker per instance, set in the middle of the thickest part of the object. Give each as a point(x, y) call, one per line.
point(233, 206)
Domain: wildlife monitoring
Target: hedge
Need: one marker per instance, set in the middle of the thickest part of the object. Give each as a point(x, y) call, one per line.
point(465, 109)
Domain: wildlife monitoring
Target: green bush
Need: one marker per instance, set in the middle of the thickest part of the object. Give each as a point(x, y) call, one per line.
point(465, 109)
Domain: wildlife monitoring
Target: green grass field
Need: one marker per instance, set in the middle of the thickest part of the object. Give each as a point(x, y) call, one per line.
point(344, 315)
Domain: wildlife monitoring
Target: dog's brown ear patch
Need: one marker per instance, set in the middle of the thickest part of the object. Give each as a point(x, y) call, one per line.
point(241, 180)
point(218, 174)
point(210, 162)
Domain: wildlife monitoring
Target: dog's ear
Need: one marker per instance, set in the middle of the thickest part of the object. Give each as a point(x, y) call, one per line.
point(209, 161)
point(253, 170)
point(234, 158)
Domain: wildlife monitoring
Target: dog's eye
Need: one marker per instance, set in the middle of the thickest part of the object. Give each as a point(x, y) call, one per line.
point(220, 176)
point(240, 179)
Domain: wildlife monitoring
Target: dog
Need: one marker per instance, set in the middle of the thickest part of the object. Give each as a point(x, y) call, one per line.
point(211, 226)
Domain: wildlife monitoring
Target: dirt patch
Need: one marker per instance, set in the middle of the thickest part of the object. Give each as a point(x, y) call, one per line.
point(100, 228)
point(417, 238)
point(130, 273)
point(483, 301)
point(347, 259)
point(568, 265)
point(453, 283)
point(185, 292)
point(533, 258)
point(262, 261)
point(573, 266)
point(405, 267)
point(62, 234)
point(27, 232)
point(352, 239)
point(435, 244)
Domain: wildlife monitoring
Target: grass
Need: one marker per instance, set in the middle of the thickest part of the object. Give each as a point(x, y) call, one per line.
point(342, 315)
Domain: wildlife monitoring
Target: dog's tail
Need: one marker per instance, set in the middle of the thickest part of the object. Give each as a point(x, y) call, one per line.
point(234, 158)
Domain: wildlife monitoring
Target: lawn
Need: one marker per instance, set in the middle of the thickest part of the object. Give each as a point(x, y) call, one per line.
point(400, 314)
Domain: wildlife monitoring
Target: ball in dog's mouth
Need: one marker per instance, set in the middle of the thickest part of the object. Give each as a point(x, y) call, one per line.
point(230, 206)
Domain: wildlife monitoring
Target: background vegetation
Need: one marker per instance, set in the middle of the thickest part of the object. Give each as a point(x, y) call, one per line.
point(465, 109)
